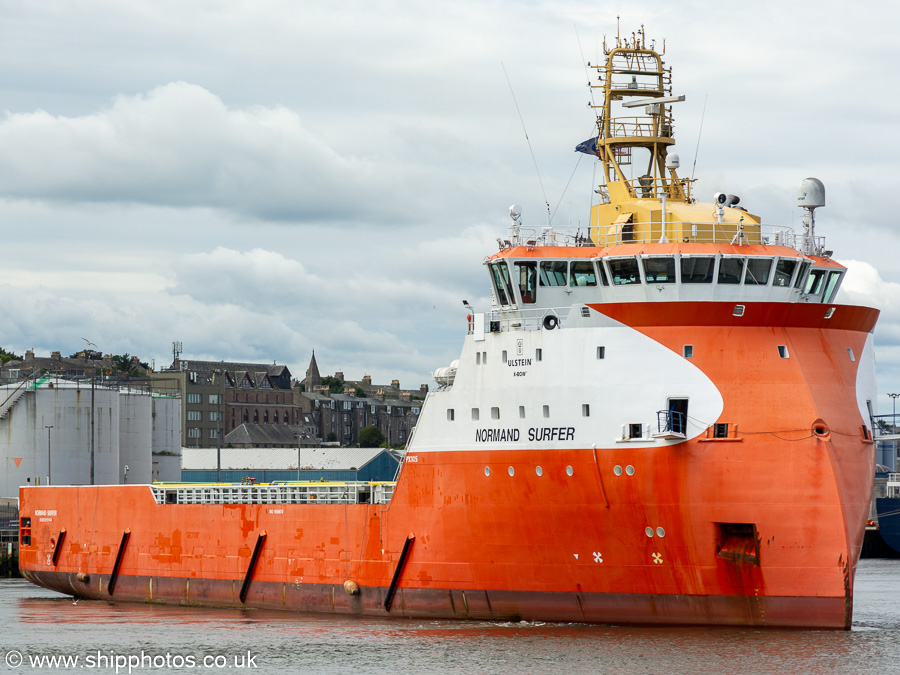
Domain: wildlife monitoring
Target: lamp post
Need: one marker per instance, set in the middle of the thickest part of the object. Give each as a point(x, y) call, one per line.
point(93, 378)
point(48, 428)
point(220, 382)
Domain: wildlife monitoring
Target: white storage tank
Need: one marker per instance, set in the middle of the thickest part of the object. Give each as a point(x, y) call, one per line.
point(45, 433)
point(166, 438)
point(135, 439)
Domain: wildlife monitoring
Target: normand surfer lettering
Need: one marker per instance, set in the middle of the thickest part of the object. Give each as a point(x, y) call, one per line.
point(535, 434)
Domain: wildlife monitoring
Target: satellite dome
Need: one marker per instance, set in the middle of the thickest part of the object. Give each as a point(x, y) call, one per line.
point(811, 193)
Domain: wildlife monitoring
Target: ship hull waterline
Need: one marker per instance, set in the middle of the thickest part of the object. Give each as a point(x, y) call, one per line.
point(465, 604)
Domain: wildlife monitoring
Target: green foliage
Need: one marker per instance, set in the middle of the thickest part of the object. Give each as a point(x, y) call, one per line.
point(123, 363)
point(335, 386)
point(371, 437)
point(360, 392)
point(8, 356)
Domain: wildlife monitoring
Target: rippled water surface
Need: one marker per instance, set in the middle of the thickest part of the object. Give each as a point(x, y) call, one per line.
point(37, 624)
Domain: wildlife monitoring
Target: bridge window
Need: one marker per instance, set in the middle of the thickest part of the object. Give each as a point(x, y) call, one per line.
point(495, 413)
point(758, 270)
point(624, 271)
point(582, 274)
point(476, 413)
point(526, 273)
point(500, 277)
point(731, 270)
point(688, 351)
point(814, 282)
point(831, 287)
point(635, 431)
point(659, 269)
point(784, 270)
point(585, 409)
point(804, 266)
point(697, 269)
point(553, 273)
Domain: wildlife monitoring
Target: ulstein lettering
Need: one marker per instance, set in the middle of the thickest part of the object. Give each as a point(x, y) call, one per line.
point(496, 435)
point(551, 434)
point(518, 363)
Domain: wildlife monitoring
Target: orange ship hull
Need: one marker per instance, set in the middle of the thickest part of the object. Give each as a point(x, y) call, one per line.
point(760, 528)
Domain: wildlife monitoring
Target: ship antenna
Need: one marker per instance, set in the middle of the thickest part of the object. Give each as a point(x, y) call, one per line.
point(585, 64)
point(528, 140)
point(697, 149)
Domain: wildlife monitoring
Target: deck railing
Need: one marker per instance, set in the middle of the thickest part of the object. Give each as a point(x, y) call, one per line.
point(276, 493)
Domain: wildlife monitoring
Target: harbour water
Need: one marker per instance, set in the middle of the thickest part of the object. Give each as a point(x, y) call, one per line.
point(38, 625)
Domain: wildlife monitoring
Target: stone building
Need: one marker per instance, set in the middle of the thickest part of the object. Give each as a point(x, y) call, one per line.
point(220, 396)
point(340, 417)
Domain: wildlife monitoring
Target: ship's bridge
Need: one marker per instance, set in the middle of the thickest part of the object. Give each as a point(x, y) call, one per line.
point(532, 282)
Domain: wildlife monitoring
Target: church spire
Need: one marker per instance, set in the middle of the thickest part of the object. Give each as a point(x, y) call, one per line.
point(313, 379)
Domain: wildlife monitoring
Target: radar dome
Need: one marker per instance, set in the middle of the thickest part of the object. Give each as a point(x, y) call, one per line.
point(672, 160)
point(515, 211)
point(811, 193)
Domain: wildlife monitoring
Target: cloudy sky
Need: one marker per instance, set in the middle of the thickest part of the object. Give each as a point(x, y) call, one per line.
point(261, 179)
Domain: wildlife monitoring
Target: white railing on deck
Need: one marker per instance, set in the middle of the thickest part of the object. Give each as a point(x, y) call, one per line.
point(296, 493)
point(676, 231)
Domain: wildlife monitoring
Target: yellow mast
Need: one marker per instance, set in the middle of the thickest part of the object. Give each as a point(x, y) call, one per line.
point(635, 124)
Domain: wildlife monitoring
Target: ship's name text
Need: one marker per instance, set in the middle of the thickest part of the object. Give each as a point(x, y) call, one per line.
point(534, 434)
point(518, 363)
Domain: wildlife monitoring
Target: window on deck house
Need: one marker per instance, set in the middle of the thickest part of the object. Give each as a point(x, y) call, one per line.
point(582, 274)
point(553, 273)
point(526, 273)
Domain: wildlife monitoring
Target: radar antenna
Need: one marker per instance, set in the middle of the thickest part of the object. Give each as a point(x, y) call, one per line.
point(810, 196)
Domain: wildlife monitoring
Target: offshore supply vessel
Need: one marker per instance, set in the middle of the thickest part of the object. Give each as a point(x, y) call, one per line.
point(662, 422)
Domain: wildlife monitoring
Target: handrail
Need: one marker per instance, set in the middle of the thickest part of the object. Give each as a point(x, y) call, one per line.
point(287, 493)
point(670, 421)
point(648, 232)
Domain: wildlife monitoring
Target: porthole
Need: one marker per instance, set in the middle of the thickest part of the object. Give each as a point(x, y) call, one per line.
point(617, 470)
point(539, 471)
point(648, 531)
point(660, 532)
point(512, 471)
point(487, 471)
point(629, 470)
point(569, 471)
